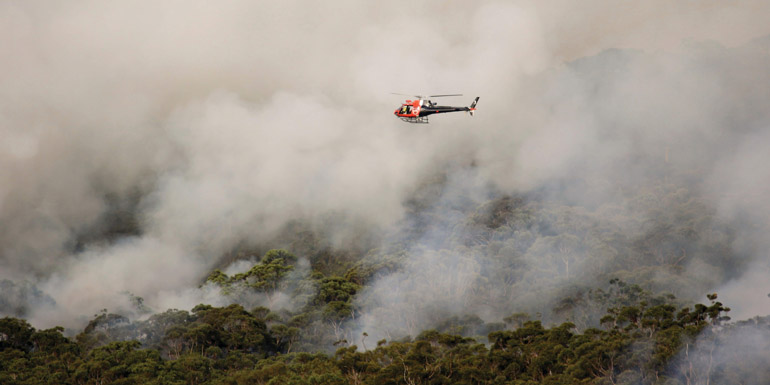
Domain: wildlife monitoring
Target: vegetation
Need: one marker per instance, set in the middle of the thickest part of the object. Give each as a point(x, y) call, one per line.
point(569, 294)
point(637, 344)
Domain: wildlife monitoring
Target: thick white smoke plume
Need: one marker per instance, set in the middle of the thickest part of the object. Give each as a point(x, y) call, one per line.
point(219, 123)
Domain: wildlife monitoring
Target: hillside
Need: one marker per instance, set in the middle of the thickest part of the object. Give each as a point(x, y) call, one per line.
point(199, 192)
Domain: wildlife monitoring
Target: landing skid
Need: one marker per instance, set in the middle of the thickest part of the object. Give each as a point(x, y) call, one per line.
point(421, 119)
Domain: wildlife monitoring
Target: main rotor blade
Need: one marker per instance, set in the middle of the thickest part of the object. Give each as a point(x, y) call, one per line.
point(420, 97)
point(425, 97)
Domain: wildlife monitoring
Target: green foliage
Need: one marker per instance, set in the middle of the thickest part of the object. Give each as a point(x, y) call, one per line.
point(264, 276)
point(229, 345)
point(15, 334)
point(221, 279)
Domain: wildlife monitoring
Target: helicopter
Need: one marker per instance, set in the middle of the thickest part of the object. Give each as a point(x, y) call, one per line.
point(417, 111)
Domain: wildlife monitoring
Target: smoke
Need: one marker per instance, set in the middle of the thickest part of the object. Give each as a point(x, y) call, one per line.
point(200, 126)
point(591, 133)
point(720, 354)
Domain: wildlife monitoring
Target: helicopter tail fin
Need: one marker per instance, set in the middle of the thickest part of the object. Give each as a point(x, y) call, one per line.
point(472, 108)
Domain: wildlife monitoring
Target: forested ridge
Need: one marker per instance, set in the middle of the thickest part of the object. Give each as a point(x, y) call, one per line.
point(638, 343)
point(557, 293)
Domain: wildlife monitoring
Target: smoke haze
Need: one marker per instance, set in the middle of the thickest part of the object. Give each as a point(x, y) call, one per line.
point(202, 126)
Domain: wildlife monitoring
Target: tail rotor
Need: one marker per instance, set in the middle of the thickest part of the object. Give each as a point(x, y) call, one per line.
point(472, 108)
